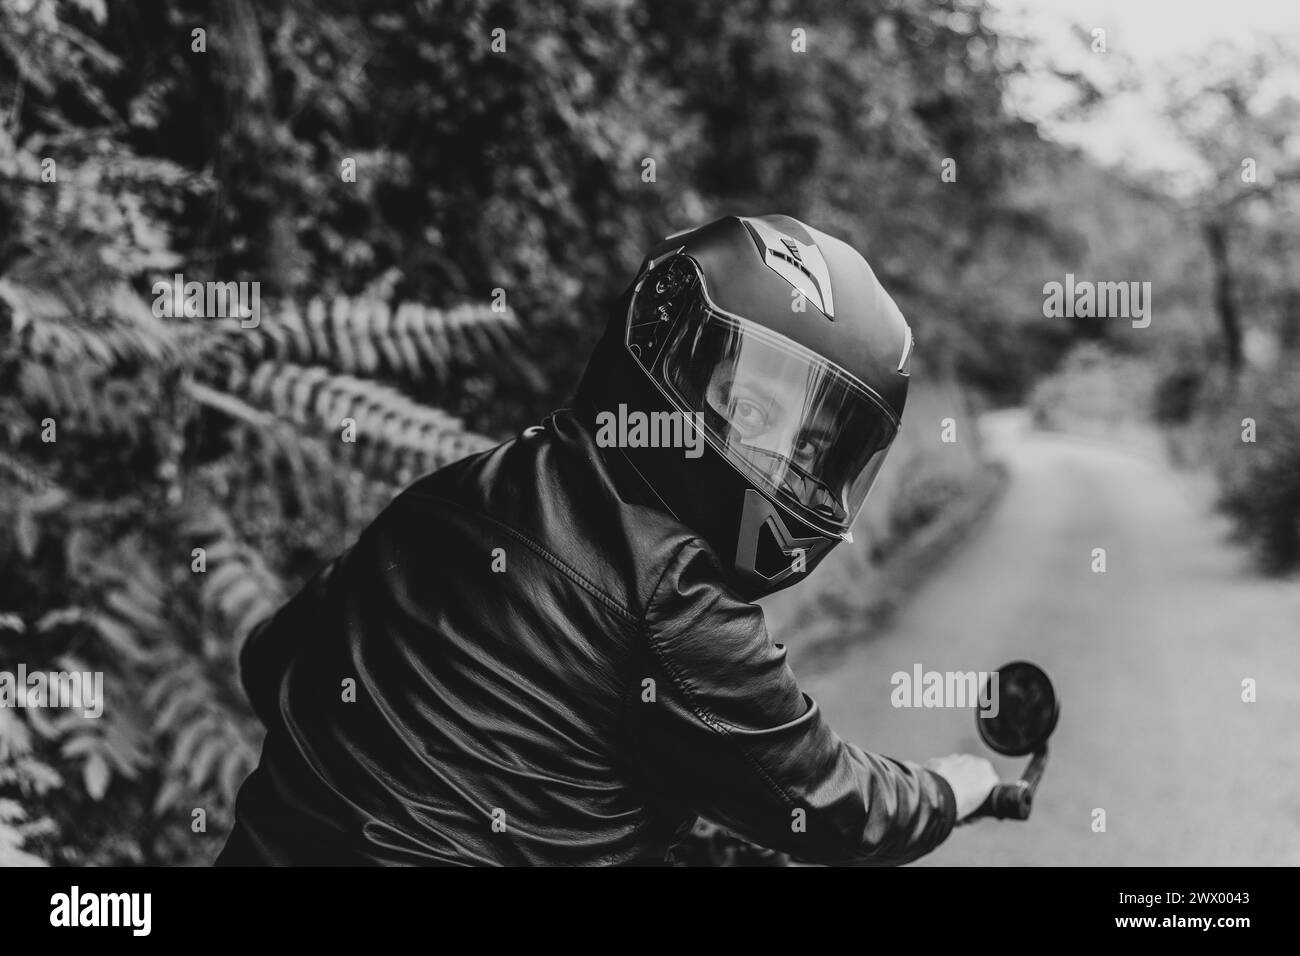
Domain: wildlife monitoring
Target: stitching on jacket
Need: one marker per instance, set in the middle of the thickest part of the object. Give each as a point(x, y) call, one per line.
point(553, 560)
point(630, 677)
point(708, 719)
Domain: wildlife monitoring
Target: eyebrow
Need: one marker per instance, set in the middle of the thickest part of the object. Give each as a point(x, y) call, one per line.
point(822, 436)
point(767, 397)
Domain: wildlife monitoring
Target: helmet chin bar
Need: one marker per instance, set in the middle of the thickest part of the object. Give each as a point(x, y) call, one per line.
point(763, 534)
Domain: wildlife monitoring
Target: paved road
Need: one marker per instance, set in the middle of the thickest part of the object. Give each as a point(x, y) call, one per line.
point(1148, 659)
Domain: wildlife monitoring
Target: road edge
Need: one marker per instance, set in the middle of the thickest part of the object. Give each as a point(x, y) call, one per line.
point(907, 569)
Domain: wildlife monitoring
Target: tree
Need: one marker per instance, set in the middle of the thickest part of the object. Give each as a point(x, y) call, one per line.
point(1236, 111)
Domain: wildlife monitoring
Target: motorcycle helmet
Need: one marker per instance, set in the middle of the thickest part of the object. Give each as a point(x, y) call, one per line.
point(778, 345)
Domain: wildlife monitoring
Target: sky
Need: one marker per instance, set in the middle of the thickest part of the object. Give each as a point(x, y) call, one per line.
point(1144, 38)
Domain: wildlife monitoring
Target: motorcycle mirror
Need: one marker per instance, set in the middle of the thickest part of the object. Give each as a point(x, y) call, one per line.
point(1023, 712)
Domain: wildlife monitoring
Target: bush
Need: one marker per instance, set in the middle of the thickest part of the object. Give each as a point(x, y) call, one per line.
point(193, 475)
point(1260, 480)
point(1185, 381)
point(1176, 394)
point(921, 501)
point(1093, 386)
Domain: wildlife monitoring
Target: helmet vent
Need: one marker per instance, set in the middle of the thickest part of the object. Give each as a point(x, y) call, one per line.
point(799, 263)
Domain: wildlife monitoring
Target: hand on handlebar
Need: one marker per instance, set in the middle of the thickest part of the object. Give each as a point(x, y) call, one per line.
point(971, 778)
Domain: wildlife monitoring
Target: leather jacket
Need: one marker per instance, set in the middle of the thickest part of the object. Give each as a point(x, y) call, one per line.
point(521, 661)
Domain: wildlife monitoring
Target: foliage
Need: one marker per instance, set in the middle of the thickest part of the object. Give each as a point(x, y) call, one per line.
point(1260, 480)
point(170, 439)
point(1177, 389)
point(923, 500)
point(1095, 385)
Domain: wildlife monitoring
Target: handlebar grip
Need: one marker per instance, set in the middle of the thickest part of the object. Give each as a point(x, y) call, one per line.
point(1006, 801)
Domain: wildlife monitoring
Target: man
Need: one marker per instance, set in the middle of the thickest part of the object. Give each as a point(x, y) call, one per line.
point(548, 653)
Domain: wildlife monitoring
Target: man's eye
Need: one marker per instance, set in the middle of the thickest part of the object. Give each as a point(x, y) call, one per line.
point(747, 416)
point(807, 448)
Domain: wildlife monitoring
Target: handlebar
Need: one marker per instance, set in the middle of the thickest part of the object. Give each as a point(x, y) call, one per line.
point(1006, 801)
point(1013, 801)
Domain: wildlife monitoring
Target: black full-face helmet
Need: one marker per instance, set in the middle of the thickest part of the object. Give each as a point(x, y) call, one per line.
point(779, 344)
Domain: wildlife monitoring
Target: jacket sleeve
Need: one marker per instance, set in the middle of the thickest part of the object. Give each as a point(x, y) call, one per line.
point(272, 643)
point(728, 733)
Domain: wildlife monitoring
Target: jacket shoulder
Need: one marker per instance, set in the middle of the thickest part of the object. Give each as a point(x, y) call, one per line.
point(547, 496)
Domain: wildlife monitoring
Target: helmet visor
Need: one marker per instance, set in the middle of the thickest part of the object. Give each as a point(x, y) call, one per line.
point(804, 431)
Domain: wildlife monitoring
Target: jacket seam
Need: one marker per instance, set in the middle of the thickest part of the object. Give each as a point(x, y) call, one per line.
point(557, 563)
point(630, 676)
point(705, 717)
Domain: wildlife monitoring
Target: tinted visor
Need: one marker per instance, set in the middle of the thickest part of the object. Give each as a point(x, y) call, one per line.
point(801, 428)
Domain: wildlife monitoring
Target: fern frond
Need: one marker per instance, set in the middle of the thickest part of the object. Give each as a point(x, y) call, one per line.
point(208, 746)
point(237, 586)
point(392, 430)
point(27, 477)
point(113, 326)
point(368, 337)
